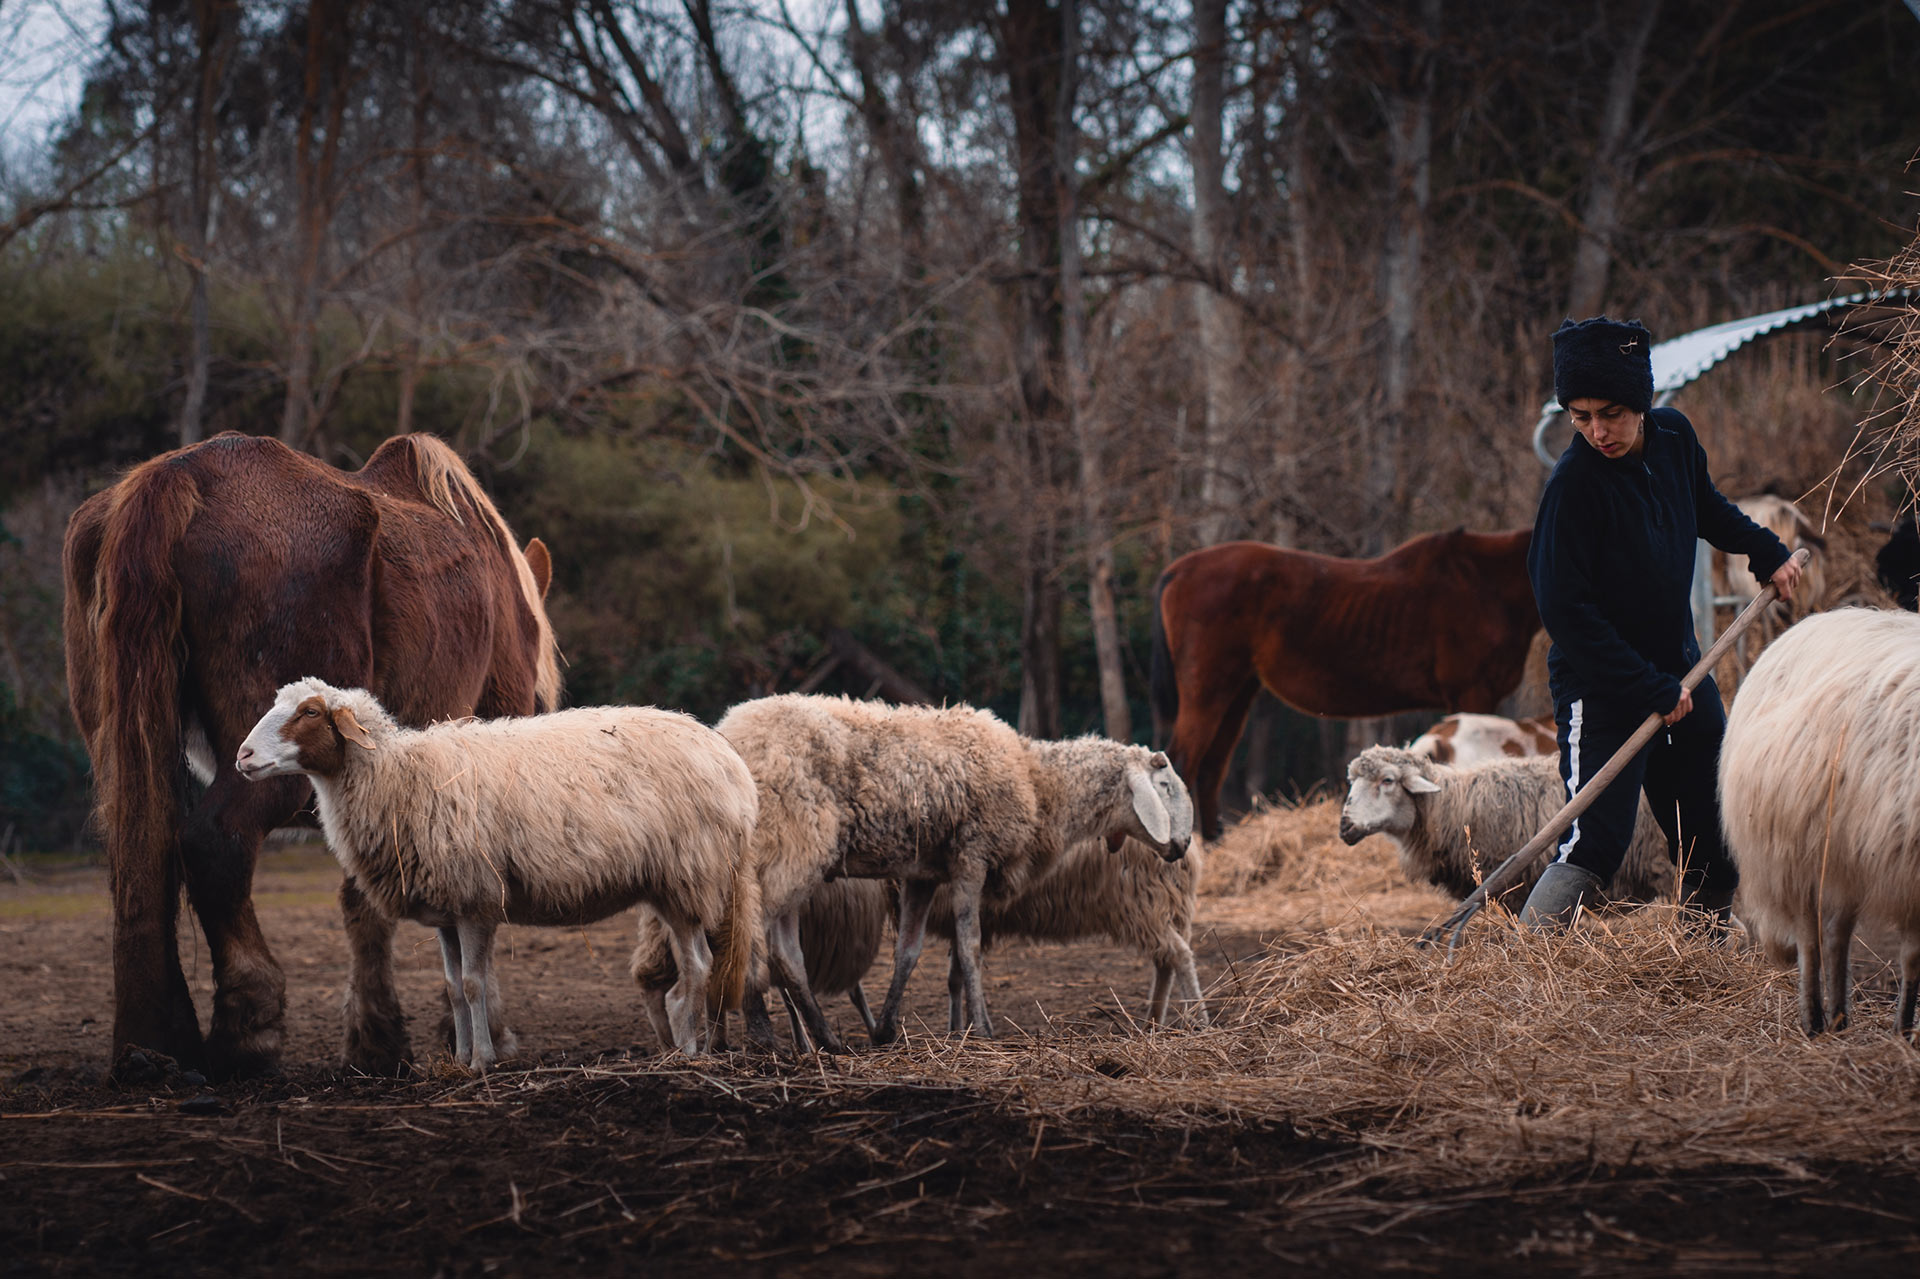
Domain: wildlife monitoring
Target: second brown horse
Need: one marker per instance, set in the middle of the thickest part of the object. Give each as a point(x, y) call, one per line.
point(1441, 622)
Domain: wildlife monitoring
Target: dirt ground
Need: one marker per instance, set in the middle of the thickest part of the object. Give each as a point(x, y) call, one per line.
point(593, 1152)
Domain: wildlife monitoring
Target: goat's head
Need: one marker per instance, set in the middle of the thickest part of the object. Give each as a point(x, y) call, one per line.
point(1381, 784)
point(309, 730)
point(1161, 812)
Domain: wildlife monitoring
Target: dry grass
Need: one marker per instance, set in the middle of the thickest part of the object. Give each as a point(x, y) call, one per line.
point(1633, 1042)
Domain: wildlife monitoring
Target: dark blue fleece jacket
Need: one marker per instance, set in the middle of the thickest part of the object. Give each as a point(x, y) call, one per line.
point(1612, 566)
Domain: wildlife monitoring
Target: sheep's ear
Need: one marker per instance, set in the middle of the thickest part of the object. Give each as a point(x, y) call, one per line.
point(1147, 806)
point(540, 561)
point(350, 728)
point(1416, 784)
point(1159, 760)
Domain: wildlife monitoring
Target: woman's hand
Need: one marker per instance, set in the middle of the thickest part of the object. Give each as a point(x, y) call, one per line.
point(1680, 708)
point(1786, 577)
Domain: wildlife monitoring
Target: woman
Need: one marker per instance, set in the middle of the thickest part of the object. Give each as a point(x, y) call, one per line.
point(1612, 564)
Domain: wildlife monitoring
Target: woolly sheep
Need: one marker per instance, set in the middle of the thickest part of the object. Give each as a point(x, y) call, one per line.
point(553, 820)
point(929, 797)
point(1454, 825)
point(1130, 896)
point(1466, 740)
point(1820, 798)
point(843, 925)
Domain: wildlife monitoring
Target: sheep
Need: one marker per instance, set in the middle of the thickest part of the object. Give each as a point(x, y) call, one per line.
point(1130, 896)
point(1786, 521)
point(1465, 740)
point(1453, 825)
point(555, 820)
point(929, 796)
point(1820, 799)
point(842, 926)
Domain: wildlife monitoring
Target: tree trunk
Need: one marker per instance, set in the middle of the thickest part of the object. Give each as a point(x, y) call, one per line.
point(1029, 37)
point(210, 21)
point(1222, 491)
point(329, 37)
point(1409, 109)
point(1612, 174)
point(1088, 433)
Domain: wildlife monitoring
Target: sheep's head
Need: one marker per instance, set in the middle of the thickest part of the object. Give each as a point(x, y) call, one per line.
point(309, 730)
point(1162, 811)
point(1381, 784)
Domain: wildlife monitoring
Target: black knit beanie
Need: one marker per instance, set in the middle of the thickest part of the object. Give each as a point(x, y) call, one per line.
point(1603, 359)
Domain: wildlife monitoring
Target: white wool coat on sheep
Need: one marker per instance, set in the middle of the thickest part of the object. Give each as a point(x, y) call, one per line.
point(1820, 798)
point(558, 819)
point(1131, 896)
point(1453, 826)
point(928, 797)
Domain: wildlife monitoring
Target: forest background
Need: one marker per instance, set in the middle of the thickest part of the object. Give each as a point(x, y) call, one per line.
point(928, 330)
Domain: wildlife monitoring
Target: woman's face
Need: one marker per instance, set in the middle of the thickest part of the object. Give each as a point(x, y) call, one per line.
point(1614, 429)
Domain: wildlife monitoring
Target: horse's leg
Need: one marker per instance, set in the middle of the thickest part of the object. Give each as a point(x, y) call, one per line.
point(376, 1029)
point(1229, 719)
point(219, 847)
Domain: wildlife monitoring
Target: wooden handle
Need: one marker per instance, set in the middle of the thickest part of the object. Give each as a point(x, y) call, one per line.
point(1515, 868)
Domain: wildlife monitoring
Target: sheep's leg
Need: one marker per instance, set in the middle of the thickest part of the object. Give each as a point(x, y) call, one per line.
point(687, 1000)
point(1837, 953)
point(916, 903)
point(858, 997)
point(476, 981)
point(802, 1041)
point(966, 948)
point(753, 1007)
point(1157, 997)
point(790, 972)
point(456, 996)
point(956, 992)
point(1187, 978)
point(1813, 1018)
point(1909, 986)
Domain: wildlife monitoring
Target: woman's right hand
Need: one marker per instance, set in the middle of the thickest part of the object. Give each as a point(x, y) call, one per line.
point(1680, 708)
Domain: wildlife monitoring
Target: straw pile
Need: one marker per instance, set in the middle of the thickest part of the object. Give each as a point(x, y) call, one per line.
point(1632, 1043)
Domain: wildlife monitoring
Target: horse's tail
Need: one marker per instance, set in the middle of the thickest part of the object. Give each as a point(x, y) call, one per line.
point(1163, 688)
point(735, 961)
point(135, 623)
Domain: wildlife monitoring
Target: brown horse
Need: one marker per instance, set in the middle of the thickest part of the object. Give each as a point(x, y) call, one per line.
point(197, 586)
point(1443, 621)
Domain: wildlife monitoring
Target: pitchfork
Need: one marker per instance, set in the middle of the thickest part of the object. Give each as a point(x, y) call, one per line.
point(1512, 870)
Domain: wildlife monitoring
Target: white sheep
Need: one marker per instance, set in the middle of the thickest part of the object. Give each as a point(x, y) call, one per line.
point(1466, 740)
point(843, 925)
point(1820, 798)
point(929, 797)
point(1454, 825)
point(555, 820)
point(1131, 896)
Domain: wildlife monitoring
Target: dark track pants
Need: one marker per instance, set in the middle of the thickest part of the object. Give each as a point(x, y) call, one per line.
point(1678, 771)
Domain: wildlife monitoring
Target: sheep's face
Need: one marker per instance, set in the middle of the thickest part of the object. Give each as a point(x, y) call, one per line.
point(1380, 798)
point(1162, 811)
point(307, 731)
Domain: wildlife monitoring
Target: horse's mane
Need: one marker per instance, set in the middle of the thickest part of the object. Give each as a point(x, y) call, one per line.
point(441, 475)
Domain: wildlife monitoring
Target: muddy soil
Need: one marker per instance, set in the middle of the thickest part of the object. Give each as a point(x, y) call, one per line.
point(594, 1153)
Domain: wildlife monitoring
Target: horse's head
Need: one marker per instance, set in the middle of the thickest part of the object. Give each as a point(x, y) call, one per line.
point(535, 569)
